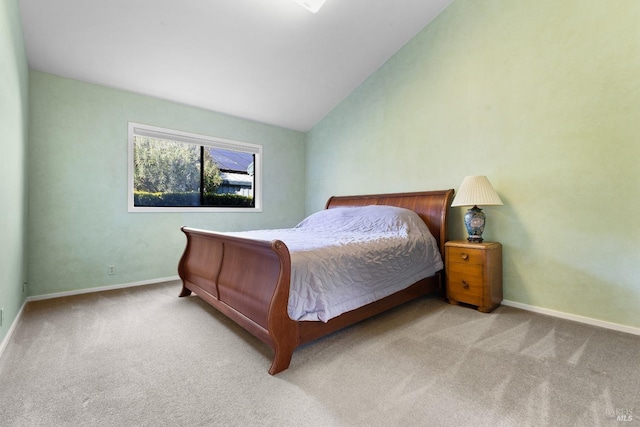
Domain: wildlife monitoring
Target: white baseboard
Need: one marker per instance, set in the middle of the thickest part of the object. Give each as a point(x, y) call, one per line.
point(574, 317)
point(9, 334)
point(102, 288)
point(12, 328)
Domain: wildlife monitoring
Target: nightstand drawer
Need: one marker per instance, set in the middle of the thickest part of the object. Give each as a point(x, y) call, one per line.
point(466, 288)
point(470, 270)
point(465, 256)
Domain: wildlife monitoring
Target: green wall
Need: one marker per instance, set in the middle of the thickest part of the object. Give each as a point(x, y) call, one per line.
point(543, 97)
point(79, 224)
point(13, 144)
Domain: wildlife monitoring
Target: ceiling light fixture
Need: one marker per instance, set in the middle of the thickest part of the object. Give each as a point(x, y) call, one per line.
point(311, 5)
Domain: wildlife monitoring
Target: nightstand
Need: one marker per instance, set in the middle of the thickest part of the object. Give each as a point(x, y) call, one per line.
point(474, 273)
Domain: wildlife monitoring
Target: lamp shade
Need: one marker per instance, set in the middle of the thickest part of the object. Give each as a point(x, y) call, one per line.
point(474, 191)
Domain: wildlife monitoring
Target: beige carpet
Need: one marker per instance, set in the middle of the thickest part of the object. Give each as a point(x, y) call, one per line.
point(144, 357)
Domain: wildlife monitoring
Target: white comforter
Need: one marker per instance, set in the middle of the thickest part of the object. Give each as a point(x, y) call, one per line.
point(344, 258)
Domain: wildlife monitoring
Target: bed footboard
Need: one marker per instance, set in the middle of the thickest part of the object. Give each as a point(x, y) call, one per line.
point(248, 281)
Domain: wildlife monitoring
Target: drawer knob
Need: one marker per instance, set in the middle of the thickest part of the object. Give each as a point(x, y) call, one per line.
point(464, 256)
point(465, 284)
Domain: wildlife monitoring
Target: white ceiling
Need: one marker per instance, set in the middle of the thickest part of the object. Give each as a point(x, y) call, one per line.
point(271, 61)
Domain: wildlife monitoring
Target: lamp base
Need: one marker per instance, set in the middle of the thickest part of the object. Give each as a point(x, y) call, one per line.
point(474, 220)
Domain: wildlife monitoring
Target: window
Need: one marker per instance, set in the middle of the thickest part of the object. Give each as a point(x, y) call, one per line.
point(174, 171)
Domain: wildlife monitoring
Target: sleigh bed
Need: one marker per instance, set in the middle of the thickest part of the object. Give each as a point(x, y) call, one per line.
point(249, 279)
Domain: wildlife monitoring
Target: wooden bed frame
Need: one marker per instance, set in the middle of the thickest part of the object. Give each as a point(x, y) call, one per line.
point(248, 280)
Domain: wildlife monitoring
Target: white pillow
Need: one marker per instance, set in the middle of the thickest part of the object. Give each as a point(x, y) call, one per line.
point(373, 218)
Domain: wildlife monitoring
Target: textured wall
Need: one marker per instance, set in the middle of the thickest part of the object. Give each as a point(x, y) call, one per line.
point(79, 222)
point(14, 79)
point(542, 97)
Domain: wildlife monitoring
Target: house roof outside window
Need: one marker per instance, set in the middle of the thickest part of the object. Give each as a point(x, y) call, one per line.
point(232, 161)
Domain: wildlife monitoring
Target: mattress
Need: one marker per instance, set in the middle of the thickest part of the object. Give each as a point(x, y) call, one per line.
point(347, 257)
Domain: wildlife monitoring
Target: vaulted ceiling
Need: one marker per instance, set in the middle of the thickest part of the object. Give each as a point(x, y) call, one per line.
point(270, 61)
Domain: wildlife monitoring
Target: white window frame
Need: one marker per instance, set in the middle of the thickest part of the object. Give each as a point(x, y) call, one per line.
point(138, 129)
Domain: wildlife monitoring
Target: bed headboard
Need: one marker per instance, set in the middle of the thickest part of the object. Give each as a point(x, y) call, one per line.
point(431, 206)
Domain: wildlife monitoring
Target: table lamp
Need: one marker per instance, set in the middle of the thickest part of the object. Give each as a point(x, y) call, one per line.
point(474, 191)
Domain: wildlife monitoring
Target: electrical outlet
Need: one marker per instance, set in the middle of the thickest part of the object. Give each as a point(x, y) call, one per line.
point(111, 270)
